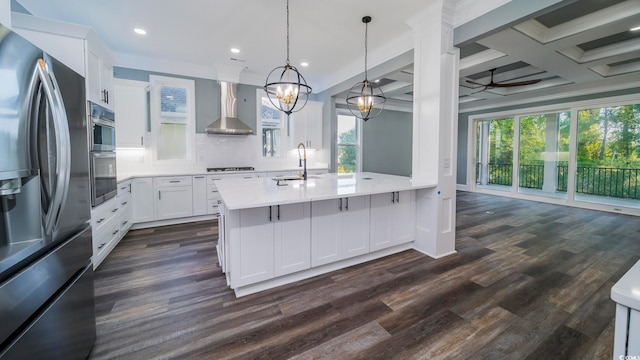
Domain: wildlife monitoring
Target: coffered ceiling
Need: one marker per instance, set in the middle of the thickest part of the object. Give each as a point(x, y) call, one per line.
point(582, 48)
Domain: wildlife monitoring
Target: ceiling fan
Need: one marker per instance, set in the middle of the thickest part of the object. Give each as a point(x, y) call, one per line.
point(493, 84)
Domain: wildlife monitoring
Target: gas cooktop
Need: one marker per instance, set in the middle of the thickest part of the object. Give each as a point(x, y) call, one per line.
point(240, 168)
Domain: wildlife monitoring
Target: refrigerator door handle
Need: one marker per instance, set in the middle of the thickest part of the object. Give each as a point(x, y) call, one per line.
point(63, 149)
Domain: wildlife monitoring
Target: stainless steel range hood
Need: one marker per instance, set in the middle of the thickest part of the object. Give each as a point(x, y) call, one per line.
point(228, 124)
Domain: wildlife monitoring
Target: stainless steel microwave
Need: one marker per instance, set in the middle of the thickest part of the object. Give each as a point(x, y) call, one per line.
point(102, 128)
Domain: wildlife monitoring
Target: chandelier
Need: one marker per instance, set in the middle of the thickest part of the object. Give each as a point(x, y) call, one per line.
point(365, 99)
point(286, 88)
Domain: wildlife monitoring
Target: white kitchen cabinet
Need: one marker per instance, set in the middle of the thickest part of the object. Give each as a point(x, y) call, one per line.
point(292, 237)
point(392, 222)
point(339, 229)
point(99, 76)
point(78, 47)
point(269, 241)
point(142, 200)
point(173, 197)
point(131, 111)
point(251, 246)
point(199, 195)
point(306, 126)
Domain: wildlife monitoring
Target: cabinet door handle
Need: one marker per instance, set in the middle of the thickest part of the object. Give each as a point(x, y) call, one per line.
point(125, 203)
point(123, 188)
point(99, 221)
point(114, 210)
point(115, 232)
point(340, 204)
point(397, 196)
point(174, 181)
point(107, 91)
point(278, 212)
point(125, 222)
point(198, 177)
point(129, 187)
point(101, 246)
point(393, 197)
point(248, 177)
point(269, 213)
point(141, 140)
point(347, 206)
point(159, 194)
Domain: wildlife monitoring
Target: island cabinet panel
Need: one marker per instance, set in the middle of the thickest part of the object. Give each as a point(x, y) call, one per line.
point(339, 229)
point(252, 250)
point(392, 219)
point(267, 242)
point(292, 236)
point(326, 231)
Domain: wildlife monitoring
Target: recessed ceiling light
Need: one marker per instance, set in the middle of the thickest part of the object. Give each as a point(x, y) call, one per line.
point(376, 80)
point(304, 64)
point(635, 28)
point(235, 50)
point(140, 31)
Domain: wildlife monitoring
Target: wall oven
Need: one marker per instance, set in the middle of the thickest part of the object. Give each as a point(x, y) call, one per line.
point(102, 135)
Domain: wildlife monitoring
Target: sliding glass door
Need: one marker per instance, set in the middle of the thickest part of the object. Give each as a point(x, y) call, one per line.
point(586, 155)
point(494, 152)
point(608, 155)
point(543, 154)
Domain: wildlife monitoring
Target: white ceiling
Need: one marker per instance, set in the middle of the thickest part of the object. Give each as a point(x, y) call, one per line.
point(197, 35)
point(583, 47)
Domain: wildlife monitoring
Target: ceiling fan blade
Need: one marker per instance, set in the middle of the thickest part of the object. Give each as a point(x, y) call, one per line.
point(475, 92)
point(518, 83)
point(475, 83)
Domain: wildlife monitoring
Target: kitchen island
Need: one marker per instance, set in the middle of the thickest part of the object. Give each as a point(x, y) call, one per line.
point(277, 232)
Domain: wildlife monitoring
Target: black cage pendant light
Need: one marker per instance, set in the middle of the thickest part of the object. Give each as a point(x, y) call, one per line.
point(286, 87)
point(365, 99)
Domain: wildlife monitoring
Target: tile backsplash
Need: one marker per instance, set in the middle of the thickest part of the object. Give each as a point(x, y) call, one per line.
point(214, 151)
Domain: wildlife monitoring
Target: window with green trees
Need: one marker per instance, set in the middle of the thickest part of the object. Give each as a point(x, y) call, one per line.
point(348, 142)
point(608, 152)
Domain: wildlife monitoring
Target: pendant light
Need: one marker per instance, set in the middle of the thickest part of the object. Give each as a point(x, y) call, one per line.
point(365, 99)
point(286, 88)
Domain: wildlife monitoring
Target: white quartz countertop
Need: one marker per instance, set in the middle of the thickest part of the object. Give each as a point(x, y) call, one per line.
point(258, 192)
point(627, 290)
point(128, 176)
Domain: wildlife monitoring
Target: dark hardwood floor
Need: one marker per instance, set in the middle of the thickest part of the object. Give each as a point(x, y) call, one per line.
point(529, 281)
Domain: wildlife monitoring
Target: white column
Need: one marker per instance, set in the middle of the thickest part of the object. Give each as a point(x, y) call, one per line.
point(5, 13)
point(552, 128)
point(435, 124)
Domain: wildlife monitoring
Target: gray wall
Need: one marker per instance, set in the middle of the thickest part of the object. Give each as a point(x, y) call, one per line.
point(387, 143)
point(463, 123)
point(207, 97)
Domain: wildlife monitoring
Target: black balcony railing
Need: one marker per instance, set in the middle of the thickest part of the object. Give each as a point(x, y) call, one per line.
point(600, 181)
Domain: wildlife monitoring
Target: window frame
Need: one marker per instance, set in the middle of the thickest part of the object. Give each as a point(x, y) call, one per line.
point(284, 126)
point(358, 145)
point(573, 108)
point(157, 82)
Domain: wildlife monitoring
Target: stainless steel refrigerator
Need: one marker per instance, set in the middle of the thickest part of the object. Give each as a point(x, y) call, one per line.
point(46, 278)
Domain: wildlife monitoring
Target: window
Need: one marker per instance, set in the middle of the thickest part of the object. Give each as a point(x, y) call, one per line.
point(544, 154)
point(608, 154)
point(494, 149)
point(272, 124)
point(173, 117)
point(348, 144)
point(586, 154)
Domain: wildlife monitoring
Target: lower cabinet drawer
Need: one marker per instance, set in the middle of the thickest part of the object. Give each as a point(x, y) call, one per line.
point(212, 206)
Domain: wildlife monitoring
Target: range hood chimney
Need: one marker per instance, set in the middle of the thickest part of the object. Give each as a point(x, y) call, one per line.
point(228, 124)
